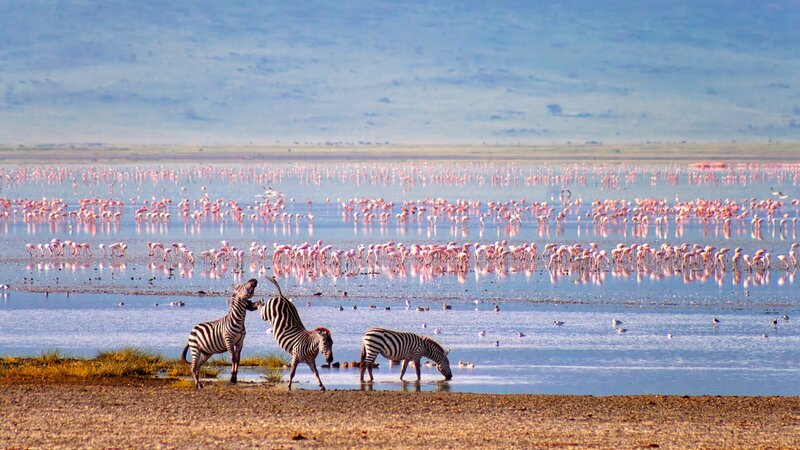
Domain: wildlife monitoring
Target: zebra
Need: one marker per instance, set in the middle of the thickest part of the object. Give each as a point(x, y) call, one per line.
point(292, 336)
point(401, 345)
point(224, 334)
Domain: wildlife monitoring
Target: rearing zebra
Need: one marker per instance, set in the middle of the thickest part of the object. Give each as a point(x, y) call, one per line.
point(292, 336)
point(225, 334)
point(400, 345)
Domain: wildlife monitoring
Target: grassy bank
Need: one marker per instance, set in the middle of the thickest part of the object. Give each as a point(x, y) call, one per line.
point(53, 367)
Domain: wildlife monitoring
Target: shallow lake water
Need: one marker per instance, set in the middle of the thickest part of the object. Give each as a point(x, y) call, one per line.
point(584, 355)
point(71, 303)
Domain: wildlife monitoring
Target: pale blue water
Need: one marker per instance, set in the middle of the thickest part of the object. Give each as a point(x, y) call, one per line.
point(585, 355)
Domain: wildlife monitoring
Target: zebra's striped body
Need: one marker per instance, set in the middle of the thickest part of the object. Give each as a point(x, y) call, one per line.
point(225, 334)
point(303, 345)
point(405, 346)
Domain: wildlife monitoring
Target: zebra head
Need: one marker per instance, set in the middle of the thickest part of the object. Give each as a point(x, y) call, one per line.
point(438, 355)
point(243, 293)
point(325, 343)
point(444, 366)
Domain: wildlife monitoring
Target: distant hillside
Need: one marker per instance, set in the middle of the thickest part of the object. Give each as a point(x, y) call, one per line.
point(401, 72)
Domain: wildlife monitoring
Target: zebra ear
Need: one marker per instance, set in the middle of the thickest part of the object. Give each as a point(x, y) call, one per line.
point(446, 352)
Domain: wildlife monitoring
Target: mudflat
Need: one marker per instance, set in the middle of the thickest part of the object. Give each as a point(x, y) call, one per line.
point(151, 413)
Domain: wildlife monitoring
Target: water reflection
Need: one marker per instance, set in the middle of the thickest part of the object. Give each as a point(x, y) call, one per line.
point(404, 386)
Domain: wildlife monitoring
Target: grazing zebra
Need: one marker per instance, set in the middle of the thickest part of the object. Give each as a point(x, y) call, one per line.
point(400, 345)
point(292, 336)
point(225, 334)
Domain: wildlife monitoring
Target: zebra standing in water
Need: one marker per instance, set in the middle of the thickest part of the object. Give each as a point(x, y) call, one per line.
point(292, 336)
point(400, 345)
point(225, 334)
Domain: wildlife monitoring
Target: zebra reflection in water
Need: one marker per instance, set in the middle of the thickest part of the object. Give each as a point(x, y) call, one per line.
point(407, 386)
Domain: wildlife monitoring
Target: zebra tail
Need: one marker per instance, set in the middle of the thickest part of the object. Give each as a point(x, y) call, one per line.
point(363, 353)
point(275, 282)
point(183, 355)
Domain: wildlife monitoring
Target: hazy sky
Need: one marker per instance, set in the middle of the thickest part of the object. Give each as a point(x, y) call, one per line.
point(403, 72)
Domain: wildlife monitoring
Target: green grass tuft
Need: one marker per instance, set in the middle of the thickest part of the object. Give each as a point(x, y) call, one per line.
point(268, 361)
point(274, 376)
point(48, 357)
point(128, 361)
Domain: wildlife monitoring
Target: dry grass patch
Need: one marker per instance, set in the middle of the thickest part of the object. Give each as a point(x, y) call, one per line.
point(127, 362)
point(183, 383)
point(123, 363)
point(176, 368)
point(268, 361)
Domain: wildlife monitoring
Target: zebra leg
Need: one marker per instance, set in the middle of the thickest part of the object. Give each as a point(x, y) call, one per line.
point(416, 365)
point(361, 364)
point(362, 368)
point(403, 369)
point(197, 362)
point(194, 368)
point(313, 365)
point(291, 374)
point(235, 349)
point(235, 354)
point(370, 364)
point(366, 364)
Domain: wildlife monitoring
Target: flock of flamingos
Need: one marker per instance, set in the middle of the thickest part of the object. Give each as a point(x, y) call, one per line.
point(775, 213)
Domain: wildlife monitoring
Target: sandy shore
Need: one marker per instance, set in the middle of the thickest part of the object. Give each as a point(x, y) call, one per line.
point(133, 414)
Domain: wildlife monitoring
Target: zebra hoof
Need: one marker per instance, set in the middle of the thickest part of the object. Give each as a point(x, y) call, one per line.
point(233, 379)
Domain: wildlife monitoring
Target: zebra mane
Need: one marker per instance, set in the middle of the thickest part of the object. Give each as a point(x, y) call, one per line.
point(236, 300)
point(323, 329)
point(434, 343)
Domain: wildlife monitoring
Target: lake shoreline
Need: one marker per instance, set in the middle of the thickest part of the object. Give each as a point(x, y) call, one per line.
point(151, 413)
point(712, 152)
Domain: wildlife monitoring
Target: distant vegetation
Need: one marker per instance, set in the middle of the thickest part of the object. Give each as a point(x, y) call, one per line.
point(269, 361)
point(128, 362)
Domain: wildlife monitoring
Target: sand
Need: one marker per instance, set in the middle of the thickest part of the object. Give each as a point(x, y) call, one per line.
point(149, 414)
